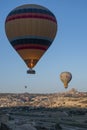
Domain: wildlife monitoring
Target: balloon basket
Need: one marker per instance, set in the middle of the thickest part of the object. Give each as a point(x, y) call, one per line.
point(31, 71)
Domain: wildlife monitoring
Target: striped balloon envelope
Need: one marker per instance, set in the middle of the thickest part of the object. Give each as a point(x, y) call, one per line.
point(31, 30)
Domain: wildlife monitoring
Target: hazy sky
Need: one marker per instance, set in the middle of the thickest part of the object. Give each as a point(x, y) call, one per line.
point(67, 53)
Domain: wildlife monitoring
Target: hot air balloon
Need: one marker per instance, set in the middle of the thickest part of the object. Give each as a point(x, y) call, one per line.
point(65, 78)
point(31, 30)
point(25, 86)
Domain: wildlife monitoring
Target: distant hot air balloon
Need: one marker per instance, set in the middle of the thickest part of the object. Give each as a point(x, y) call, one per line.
point(25, 86)
point(31, 30)
point(65, 78)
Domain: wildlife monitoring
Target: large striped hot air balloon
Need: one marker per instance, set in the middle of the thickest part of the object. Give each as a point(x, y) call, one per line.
point(31, 30)
point(65, 78)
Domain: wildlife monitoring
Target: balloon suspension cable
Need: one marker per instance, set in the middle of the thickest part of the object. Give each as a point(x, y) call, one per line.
point(30, 71)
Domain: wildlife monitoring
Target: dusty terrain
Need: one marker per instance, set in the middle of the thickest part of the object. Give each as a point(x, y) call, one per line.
point(60, 111)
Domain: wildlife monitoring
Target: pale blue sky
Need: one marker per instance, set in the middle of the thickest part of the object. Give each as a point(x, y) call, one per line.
point(67, 53)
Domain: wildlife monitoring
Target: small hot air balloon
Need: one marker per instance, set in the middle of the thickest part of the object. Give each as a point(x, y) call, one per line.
point(31, 30)
point(65, 78)
point(25, 86)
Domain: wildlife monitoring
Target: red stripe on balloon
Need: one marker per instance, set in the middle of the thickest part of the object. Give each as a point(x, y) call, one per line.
point(30, 15)
point(30, 47)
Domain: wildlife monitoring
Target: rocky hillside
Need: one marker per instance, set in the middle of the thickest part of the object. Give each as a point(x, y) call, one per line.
point(71, 98)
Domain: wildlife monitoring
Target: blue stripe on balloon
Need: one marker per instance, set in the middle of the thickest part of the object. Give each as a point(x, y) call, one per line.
point(32, 37)
point(30, 10)
point(31, 41)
